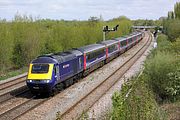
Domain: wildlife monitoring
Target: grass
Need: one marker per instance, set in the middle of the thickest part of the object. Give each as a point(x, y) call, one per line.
point(13, 73)
point(172, 110)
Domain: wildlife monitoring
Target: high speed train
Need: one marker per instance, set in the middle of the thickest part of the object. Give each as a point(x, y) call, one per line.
point(49, 71)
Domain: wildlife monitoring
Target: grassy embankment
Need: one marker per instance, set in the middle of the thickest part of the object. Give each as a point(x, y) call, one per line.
point(153, 95)
point(23, 39)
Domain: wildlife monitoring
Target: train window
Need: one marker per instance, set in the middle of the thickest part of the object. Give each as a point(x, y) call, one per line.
point(80, 63)
point(55, 71)
point(123, 43)
point(40, 68)
point(112, 48)
point(94, 54)
point(130, 40)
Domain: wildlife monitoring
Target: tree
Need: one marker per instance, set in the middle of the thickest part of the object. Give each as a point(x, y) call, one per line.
point(170, 15)
point(18, 57)
point(93, 19)
point(177, 10)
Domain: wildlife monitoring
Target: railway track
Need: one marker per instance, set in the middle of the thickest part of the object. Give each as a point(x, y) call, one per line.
point(22, 108)
point(87, 102)
point(12, 85)
point(12, 94)
point(16, 102)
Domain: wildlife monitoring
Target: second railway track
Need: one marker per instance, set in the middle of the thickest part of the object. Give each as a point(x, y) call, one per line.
point(12, 85)
point(25, 106)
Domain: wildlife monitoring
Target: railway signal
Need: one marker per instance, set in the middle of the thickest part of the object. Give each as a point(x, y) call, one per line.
point(106, 30)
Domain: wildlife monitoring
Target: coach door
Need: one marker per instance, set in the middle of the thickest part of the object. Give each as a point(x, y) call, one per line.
point(80, 63)
point(57, 76)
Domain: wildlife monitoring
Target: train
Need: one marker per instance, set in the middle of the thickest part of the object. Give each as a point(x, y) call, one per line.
point(49, 72)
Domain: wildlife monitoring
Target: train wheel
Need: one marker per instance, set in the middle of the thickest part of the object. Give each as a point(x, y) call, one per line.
point(85, 73)
point(34, 93)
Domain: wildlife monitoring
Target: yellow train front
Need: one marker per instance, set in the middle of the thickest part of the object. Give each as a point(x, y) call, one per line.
point(42, 75)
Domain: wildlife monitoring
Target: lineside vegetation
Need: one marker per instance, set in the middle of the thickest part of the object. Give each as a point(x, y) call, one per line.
point(25, 38)
point(159, 83)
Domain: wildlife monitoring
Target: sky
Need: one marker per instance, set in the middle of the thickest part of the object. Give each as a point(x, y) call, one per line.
point(83, 9)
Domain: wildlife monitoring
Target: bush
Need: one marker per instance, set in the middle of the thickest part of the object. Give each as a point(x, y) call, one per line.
point(136, 102)
point(172, 28)
point(162, 68)
point(175, 46)
point(18, 57)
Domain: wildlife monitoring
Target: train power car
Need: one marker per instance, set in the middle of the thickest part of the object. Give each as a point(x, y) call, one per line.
point(45, 72)
point(48, 72)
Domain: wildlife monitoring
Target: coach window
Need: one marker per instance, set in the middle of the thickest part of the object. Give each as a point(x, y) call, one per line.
point(123, 43)
point(116, 46)
point(80, 63)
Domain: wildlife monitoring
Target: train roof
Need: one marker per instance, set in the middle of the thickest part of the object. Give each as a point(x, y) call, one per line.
point(108, 42)
point(135, 33)
point(121, 39)
point(76, 52)
point(89, 48)
point(54, 58)
point(43, 60)
point(64, 56)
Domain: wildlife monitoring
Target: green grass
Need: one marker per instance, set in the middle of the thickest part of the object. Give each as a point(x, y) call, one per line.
point(172, 110)
point(13, 73)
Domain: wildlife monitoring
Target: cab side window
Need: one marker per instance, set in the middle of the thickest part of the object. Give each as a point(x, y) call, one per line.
point(55, 72)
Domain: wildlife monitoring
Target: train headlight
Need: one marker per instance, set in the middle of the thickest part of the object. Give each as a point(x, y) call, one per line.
point(29, 80)
point(48, 81)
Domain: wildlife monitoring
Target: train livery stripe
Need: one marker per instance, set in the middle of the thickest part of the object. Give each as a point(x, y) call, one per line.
point(84, 61)
point(40, 76)
point(106, 52)
point(119, 45)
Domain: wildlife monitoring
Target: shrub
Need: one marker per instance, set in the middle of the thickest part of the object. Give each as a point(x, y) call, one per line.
point(172, 28)
point(17, 57)
point(158, 69)
point(136, 102)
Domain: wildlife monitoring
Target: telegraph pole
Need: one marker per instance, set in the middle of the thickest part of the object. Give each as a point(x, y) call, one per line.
point(107, 30)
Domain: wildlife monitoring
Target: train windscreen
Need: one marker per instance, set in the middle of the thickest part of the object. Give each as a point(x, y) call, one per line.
point(40, 68)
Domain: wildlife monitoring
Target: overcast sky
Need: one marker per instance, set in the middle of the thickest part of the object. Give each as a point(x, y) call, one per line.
point(83, 9)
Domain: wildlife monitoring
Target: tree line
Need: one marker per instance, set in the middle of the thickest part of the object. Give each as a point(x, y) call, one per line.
point(172, 23)
point(25, 38)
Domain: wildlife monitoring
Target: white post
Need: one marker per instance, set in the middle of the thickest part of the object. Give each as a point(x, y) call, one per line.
point(104, 35)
